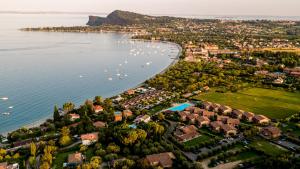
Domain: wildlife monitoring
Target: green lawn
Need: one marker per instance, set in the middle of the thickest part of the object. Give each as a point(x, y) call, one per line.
point(201, 139)
point(272, 103)
point(62, 157)
point(246, 155)
point(268, 148)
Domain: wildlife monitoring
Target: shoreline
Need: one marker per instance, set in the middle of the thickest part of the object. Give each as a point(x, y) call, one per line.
point(174, 61)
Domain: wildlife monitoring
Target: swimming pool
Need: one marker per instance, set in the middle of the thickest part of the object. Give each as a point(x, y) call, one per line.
point(180, 107)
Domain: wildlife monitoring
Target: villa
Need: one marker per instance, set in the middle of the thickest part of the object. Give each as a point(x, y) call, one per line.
point(237, 114)
point(186, 133)
point(225, 110)
point(271, 132)
point(248, 116)
point(216, 125)
point(127, 113)
point(208, 113)
point(5, 165)
point(202, 121)
point(228, 130)
point(164, 160)
point(74, 160)
point(88, 139)
point(233, 122)
point(261, 119)
point(142, 118)
point(98, 108)
point(74, 116)
point(99, 124)
point(118, 116)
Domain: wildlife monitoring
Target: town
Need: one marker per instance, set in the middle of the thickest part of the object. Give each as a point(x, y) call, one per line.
point(230, 101)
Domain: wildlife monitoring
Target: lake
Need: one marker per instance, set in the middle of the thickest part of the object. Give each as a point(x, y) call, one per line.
point(41, 69)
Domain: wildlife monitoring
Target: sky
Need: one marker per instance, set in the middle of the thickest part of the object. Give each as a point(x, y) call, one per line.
point(174, 7)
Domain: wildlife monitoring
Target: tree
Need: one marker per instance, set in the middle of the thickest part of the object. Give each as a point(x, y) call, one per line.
point(160, 116)
point(96, 162)
point(68, 107)
point(65, 138)
point(113, 148)
point(32, 149)
point(45, 165)
point(98, 100)
point(56, 115)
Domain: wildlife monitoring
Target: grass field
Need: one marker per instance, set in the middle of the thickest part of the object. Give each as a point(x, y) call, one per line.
point(246, 155)
point(198, 140)
point(296, 50)
point(272, 103)
point(268, 148)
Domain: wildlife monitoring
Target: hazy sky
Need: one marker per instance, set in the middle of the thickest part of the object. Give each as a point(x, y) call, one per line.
point(180, 7)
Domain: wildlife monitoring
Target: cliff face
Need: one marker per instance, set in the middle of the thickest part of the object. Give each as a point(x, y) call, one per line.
point(126, 18)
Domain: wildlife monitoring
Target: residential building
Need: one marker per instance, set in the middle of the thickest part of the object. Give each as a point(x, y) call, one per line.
point(228, 130)
point(271, 132)
point(164, 160)
point(74, 116)
point(90, 138)
point(248, 116)
point(225, 110)
point(142, 118)
point(237, 114)
point(203, 121)
point(127, 113)
point(186, 133)
point(208, 114)
point(261, 119)
point(98, 108)
point(5, 165)
point(74, 160)
point(118, 116)
point(216, 125)
point(99, 124)
point(233, 122)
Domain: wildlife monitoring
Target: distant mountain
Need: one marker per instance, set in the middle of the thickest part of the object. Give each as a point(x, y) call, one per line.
point(127, 18)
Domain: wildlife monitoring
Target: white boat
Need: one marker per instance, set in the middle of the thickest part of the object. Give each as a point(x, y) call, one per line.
point(6, 113)
point(118, 74)
point(110, 79)
point(4, 98)
point(11, 107)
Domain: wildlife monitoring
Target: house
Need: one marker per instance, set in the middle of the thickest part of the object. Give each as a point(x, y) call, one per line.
point(248, 116)
point(183, 115)
point(192, 117)
point(225, 110)
point(228, 130)
point(130, 92)
point(98, 108)
point(223, 119)
point(206, 88)
point(99, 124)
point(118, 116)
point(237, 114)
point(207, 105)
point(5, 165)
point(164, 160)
point(215, 107)
point(208, 114)
point(186, 133)
point(203, 121)
point(142, 118)
point(127, 113)
point(74, 116)
point(90, 138)
point(233, 122)
point(261, 119)
point(271, 132)
point(216, 125)
point(74, 160)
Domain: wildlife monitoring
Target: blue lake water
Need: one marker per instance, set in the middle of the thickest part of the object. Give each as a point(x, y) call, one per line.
point(41, 69)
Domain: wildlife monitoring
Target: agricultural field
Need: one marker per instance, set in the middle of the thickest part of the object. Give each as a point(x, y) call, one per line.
point(296, 50)
point(277, 104)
